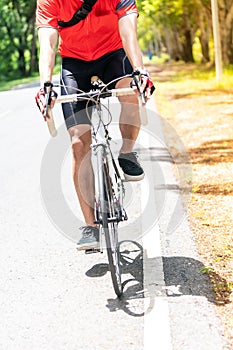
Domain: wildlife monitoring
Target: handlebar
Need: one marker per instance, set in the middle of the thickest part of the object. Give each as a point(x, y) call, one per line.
point(137, 81)
point(100, 91)
point(95, 94)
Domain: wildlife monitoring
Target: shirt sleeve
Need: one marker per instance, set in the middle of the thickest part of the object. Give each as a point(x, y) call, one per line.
point(126, 7)
point(47, 13)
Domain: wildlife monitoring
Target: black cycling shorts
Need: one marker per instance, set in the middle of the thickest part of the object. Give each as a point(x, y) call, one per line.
point(77, 74)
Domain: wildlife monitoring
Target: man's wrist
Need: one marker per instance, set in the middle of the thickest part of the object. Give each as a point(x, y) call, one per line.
point(141, 71)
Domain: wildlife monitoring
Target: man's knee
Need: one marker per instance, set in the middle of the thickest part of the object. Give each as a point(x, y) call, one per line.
point(127, 99)
point(77, 147)
point(80, 140)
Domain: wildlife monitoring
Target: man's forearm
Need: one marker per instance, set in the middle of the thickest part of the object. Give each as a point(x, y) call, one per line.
point(133, 53)
point(46, 65)
point(128, 32)
point(48, 40)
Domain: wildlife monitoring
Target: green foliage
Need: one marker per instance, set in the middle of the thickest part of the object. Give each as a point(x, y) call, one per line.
point(207, 270)
point(163, 12)
point(17, 38)
point(171, 25)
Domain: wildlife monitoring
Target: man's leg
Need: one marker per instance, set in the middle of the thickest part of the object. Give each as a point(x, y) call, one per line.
point(129, 118)
point(129, 127)
point(82, 170)
point(84, 183)
point(75, 76)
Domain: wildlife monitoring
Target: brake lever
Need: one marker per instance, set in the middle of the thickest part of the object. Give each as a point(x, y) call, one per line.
point(47, 89)
point(48, 112)
point(136, 78)
point(141, 99)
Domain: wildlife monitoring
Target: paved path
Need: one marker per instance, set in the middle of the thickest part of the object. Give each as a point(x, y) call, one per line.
point(52, 297)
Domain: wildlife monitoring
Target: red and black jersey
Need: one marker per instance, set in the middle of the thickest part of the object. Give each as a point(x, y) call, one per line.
point(94, 36)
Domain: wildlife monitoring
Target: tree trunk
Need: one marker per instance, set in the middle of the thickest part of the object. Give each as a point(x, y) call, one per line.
point(204, 41)
point(187, 47)
point(226, 30)
point(229, 35)
point(204, 37)
point(22, 62)
point(33, 52)
point(173, 46)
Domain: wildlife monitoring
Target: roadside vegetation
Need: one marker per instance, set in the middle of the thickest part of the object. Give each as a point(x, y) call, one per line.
point(200, 109)
point(180, 30)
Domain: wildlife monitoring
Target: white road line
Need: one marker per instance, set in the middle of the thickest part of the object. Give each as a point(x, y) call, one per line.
point(156, 320)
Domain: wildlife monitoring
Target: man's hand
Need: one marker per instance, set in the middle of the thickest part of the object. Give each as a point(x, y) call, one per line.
point(45, 99)
point(143, 83)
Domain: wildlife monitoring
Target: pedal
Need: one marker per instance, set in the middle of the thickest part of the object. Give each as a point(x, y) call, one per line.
point(92, 251)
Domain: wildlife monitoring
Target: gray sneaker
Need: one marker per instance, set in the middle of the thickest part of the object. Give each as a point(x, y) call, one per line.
point(90, 238)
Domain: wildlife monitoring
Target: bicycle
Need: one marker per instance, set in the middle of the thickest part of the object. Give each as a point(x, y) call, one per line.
point(109, 186)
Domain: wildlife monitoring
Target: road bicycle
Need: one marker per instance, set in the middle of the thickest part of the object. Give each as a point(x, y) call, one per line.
point(109, 185)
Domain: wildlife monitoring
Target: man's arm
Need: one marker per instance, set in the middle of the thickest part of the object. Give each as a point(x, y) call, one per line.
point(48, 41)
point(128, 33)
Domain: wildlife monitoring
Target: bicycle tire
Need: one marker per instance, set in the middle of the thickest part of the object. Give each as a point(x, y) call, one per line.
point(109, 223)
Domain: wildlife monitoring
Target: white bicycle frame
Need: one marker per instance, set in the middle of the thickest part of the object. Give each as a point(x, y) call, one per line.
point(101, 150)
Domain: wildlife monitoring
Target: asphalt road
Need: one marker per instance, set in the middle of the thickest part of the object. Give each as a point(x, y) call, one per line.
point(51, 296)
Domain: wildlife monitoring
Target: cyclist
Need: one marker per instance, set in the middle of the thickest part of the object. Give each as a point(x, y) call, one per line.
point(95, 38)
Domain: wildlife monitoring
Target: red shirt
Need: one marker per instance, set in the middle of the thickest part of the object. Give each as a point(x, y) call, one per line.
point(94, 36)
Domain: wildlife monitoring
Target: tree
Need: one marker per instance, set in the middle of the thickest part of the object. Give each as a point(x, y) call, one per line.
point(226, 29)
point(18, 38)
point(177, 22)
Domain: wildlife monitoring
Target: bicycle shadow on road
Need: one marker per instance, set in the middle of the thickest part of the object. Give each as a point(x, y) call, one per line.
point(183, 276)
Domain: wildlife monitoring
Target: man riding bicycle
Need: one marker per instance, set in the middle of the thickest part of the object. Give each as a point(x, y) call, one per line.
point(95, 38)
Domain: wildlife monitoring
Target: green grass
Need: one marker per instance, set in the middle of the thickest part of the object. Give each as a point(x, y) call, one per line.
point(7, 85)
point(188, 80)
point(204, 73)
point(196, 78)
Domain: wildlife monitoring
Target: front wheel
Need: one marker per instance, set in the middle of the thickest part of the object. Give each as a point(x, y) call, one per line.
point(110, 227)
point(111, 236)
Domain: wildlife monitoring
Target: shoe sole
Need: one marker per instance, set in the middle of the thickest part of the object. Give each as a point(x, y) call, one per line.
point(88, 246)
point(134, 178)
